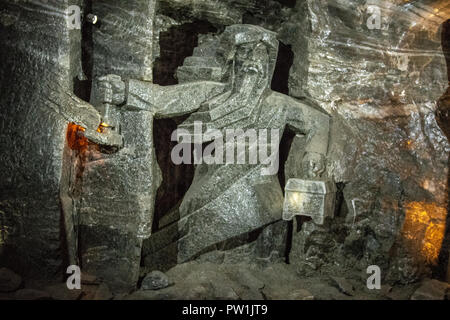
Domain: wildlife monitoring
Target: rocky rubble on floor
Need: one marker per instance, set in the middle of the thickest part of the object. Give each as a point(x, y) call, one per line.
point(155, 280)
point(209, 281)
point(280, 281)
point(59, 291)
point(13, 287)
point(96, 292)
point(31, 294)
point(9, 281)
point(432, 290)
point(344, 285)
point(89, 291)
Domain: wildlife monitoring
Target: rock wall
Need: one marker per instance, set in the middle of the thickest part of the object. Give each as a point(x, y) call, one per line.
point(118, 186)
point(123, 38)
point(40, 58)
point(381, 86)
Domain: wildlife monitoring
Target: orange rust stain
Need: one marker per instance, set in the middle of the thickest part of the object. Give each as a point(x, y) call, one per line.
point(423, 229)
point(75, 138)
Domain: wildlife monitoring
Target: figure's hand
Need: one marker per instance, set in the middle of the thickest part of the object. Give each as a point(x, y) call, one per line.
point(313, 164)
point(111, 89)
point(109, 138)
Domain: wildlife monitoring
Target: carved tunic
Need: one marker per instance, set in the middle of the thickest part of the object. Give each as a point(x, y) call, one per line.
point(225, 201)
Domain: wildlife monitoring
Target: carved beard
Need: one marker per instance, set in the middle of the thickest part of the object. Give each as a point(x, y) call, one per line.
point(250, 78)
point(249, 82)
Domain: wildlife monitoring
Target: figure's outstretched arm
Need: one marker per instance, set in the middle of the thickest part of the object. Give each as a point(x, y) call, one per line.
point(170, 101)
point(315, 124)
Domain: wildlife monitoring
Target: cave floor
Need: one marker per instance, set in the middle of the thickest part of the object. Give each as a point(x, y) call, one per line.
point(208, 281)
point(279, 281)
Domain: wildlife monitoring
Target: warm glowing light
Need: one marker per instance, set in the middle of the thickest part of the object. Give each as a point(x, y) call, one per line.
point(423, 229)
point(75, 140)
point(102, 126)
point(409, 144)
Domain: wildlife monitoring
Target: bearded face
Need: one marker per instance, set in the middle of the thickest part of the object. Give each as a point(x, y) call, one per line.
point(249, 79)
point(250, 67)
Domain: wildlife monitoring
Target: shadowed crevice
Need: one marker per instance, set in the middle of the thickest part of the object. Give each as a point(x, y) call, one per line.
point(285, 59)
point(176, 44)
point(443, 120)
point(176, 179)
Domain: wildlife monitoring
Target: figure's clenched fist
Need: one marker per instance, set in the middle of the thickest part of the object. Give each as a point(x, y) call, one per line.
point(111, 89)
point(313, 164)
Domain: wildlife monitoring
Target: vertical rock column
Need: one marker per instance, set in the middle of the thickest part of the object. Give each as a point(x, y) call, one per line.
point(118, 187)
point(40, 58)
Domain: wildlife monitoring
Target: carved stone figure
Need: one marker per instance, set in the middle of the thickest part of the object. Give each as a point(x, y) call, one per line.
point(229, 200)
point(226, 200)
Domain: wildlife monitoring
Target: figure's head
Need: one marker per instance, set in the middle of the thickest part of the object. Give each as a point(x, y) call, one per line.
point(251, 58)
point(251, 51)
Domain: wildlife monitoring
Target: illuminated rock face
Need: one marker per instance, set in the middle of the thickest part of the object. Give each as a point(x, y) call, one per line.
point(344, 61)
point(424, 229)
point(381, 86)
